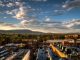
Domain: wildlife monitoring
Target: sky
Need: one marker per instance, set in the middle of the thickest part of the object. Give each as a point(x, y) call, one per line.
point(49, 16)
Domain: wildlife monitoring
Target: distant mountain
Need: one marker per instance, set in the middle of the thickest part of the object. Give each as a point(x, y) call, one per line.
point(20, 31)
point(29, 32)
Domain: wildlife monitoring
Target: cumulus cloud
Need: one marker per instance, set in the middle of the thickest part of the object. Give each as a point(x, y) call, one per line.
point(5, 17)
point(6, 26)
point(74, 24)
point(59, 11)
point(21, 13)
point(53, 27)
point(16, 9)
point(10, 26)
point(66, 6)
point(27, 22)
point(24, 22)
point(71, 4)
point(10, 4)
point(35, 25)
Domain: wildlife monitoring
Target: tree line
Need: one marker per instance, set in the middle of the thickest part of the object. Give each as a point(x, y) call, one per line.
point(12, 38)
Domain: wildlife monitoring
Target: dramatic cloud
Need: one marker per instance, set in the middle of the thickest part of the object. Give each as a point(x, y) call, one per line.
point(26, 14)
point(49, 26)
point(53, 27)
point(16, 9)
point(21, 13)
point(10, 4)
point(71, 4)
point(6, 26)
point(66, 6)
point(74, 24)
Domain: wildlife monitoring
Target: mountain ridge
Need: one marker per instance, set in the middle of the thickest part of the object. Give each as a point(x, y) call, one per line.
point(24, 31)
